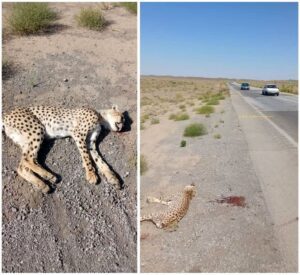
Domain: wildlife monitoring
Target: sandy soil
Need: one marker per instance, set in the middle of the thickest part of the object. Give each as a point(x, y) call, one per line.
point(79, 227)
point(212, 237)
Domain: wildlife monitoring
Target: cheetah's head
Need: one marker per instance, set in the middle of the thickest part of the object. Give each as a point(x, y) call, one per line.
point(114, 119)
point(190, 190)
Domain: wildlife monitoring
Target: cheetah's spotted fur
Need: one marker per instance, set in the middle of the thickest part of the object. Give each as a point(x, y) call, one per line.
point(28, 127)
point(176, 208)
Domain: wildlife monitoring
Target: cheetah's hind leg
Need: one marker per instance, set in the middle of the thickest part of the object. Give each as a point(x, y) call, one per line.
point(29, 176)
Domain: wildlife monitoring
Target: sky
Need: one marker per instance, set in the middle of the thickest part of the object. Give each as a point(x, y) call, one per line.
point(231, 40)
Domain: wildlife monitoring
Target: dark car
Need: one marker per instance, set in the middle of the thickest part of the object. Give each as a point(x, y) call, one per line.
point(245, 86)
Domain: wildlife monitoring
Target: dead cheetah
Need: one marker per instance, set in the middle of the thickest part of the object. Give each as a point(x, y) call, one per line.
point(28, 127)
point(176, 208)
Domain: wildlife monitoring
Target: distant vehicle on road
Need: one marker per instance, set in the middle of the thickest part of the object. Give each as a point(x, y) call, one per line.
point(270, 89)
point(245, 86)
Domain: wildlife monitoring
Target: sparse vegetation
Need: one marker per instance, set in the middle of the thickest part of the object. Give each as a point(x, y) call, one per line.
point(143, 165)
point(183, 143)
point(194, 130)
point(213, 101)
point(217, 136)
point(205, 110)
point(144, 118)
point(154, 120)
point(30, 18)
point(178, 117)
point(130, 6)
point(287, 88)
point(92, 19)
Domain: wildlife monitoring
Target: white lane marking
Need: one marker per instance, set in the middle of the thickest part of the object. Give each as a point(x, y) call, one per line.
point(280, 130)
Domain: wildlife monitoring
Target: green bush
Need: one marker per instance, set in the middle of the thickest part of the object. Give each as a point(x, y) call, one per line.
point(130, 6)
point(30, 18)
point(183, 143)
point(205, 110)
point(194, 130)
point(91, 19)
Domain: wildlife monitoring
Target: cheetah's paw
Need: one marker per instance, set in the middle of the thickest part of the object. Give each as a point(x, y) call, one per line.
point(92, 178)
point(114, 181)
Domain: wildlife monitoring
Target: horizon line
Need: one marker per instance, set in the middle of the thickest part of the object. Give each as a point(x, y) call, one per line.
point(201, 77)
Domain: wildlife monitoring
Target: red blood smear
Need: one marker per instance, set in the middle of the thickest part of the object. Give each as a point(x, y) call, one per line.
point(233, 200)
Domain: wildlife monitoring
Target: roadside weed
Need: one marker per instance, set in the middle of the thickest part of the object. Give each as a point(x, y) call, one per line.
point(183, 143)
point(205, 110)
point(91, 19)
point(30, 18)
point(194, 130)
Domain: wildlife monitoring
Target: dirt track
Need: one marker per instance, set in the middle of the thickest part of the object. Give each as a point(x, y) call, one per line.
point(79, 227)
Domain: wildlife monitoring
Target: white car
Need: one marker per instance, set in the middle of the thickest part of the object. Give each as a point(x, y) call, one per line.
point(270, 89)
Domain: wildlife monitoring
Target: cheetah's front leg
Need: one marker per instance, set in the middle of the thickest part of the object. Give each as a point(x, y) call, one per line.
point(103, 167)
point(87, 163)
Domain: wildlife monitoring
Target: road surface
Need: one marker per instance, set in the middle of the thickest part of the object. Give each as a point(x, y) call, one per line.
point(282, 109)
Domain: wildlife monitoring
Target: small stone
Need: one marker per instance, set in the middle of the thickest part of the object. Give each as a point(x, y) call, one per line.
point(66, 80)
point(126, 174)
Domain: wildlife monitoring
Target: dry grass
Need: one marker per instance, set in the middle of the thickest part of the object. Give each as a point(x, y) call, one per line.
point(30, 18)
point(91, 19)
point(160, 94)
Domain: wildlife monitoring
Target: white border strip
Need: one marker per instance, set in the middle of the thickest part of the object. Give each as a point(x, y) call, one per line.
point(138, 141)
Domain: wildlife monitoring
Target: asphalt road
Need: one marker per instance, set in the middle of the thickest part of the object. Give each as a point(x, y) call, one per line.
point(282, 109)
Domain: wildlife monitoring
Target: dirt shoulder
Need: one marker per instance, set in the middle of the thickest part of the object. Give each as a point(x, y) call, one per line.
point(212, 237)
point(79, 227)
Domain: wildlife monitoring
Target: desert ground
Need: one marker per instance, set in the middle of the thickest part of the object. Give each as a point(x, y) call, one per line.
point(78, 227)
point(228, 227)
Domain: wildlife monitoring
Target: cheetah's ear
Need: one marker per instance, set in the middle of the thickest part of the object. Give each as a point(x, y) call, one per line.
point(115, 107)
